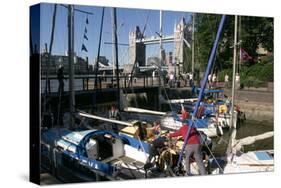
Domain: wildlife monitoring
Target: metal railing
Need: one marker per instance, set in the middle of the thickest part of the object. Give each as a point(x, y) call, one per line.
point(87, 82)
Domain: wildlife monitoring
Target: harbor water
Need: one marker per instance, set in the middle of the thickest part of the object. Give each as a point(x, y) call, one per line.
point(248, 128)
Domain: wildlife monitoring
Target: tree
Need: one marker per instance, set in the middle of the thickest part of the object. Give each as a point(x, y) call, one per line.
point(255, 31)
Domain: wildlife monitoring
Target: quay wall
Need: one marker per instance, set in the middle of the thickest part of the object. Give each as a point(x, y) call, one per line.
point(259, 111)
point(258, 105)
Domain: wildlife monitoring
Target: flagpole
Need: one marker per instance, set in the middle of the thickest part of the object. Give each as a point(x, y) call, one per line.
point(239, 35)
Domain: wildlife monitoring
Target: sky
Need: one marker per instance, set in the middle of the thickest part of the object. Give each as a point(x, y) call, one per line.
point(127, 20)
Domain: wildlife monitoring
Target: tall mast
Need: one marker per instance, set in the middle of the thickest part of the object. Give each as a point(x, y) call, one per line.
point(239, 43)
point(208, 69)
point(113, 43)
point(192, 47)
point(98, 55)
point(47, 86)
point(160, 41)
point(71, 63)
point(161, 60)
point(232, 124)
point(115, 52)
point(234, 69)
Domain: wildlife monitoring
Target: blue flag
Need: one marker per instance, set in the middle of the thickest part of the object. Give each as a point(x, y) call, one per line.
point(84, 48)
point(85, 36)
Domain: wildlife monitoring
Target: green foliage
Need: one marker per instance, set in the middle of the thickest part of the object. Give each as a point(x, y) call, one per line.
point(222, 74)
point(263, 72)
point(258, 75)
point(252, 81)
point(253, 31)
point(206, 26)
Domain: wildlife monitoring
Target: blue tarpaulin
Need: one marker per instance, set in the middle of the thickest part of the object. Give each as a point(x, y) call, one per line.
point(262, 155)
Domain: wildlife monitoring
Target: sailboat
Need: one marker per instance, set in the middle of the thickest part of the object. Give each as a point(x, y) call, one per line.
point(74, 155)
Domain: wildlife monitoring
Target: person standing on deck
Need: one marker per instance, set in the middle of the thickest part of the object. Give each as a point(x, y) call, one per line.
point(171, 80)
point(114, 114)
point(192, 146)
point(59, 112)
point(226, 79)
point(60, 77)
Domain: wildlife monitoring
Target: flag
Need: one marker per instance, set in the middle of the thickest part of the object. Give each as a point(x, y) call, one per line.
point(244, 55)
point(84, 48)
point(87, 21)
point(85, 36)
point(85, 31)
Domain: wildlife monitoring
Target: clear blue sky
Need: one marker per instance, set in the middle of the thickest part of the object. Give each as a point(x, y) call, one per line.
point(127, 19)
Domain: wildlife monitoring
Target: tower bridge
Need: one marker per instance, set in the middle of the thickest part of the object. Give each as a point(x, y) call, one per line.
point(181, 39)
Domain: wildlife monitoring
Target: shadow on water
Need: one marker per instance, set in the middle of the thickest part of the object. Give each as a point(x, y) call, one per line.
point(248, 128)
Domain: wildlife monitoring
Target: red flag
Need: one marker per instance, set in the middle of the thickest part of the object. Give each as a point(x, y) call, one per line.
point(244, 55)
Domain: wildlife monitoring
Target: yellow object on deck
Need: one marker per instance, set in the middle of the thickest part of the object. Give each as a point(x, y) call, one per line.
point(131, 131)
point(222, 109)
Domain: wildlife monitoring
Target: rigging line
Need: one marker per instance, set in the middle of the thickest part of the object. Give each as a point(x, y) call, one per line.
point(210, 61)
point(165, 92)
point(141, 124)
point(138, 13)
point(83, 38)
point(62, 42)
point(205, 143)
point(161, 78)
point(124, 54)
point(214, 64)
point(50, 52)
point(139, 118)
point(246, 154)
point(146, 20)
point(135, 101)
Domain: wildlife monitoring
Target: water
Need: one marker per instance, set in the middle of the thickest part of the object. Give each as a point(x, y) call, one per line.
point(249, 128)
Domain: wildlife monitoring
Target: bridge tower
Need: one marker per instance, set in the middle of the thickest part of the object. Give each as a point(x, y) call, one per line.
point(136, 49)
point(182, 34)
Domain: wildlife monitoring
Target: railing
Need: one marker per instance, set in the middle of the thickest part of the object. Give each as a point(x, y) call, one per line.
point(87, 82)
